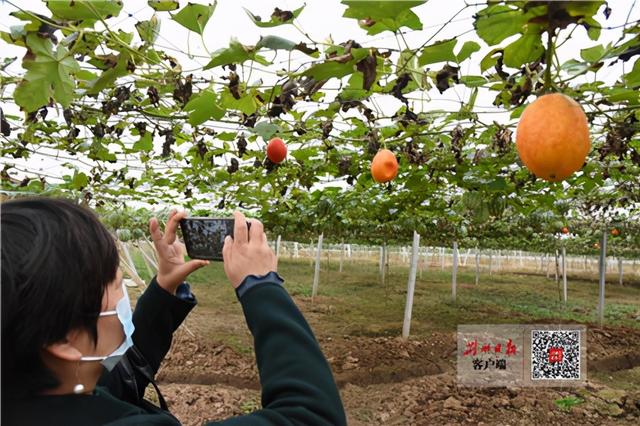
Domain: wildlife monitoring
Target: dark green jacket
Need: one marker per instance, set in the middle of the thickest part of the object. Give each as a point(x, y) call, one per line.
point(297, 385)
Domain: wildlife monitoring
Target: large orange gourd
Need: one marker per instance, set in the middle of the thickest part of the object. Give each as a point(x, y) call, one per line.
point(553, 137)
point(384, 166)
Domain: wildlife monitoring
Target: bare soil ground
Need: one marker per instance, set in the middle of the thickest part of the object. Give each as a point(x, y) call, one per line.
point(386, 380)
point(210, 372)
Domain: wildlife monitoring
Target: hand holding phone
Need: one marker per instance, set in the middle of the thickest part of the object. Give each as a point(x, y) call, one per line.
point(204, 236)
point(172, 268)
point(247, 253)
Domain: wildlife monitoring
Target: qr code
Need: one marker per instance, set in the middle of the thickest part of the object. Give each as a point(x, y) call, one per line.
point(555, 355)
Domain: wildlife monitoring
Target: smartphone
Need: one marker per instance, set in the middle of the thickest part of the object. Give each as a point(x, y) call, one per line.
point(204, 236)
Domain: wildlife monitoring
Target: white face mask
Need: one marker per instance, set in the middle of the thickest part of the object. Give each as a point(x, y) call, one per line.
point(123, 311)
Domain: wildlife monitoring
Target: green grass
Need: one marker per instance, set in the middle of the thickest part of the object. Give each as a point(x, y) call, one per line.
point(566, 403)
point(355, 303)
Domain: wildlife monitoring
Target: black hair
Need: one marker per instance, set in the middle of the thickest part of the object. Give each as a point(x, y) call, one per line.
point(57, 260)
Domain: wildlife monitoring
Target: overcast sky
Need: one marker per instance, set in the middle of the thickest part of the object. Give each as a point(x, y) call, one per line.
point(320, 19)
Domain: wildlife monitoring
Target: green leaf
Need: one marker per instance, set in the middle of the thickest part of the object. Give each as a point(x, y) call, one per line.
point(110, 75)
point(406, 19)
point(15, 37)
point(616, 51)
point(18, 33)
point(467, 49)
point(145, 143)
point(85, 75)
point(527, 48)
point(584, 8)
point(574, 67)
point(116, 43)
point(153, 57)
point(275, 43)
point(473, 80)
point(620, 94)
point(85, 9)
point(35, 185)
point(33, 25)
point(265, 130)
point(374, 9)
point(236, 53)
point(247, 104)
point(594, 28)
point(327, 70)
point(472, 200)
point(517, 112)
point(408, 62)
point(164, 5)
point(80, 180)
point(495, 23)
point(632, 78)
point(481, 214)
point(49, 75)
point(490, 60)
point(101, 152)
point(592, 54)
point(438, 52)
point(194, 17)
point(378, 16)
point(149, 30)
point(499, 184)
point(354, 91)
point(275, 19)
point(203, 107)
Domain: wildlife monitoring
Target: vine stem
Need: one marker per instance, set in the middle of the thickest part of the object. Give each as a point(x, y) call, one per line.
point(414, 52)
point(549, 61)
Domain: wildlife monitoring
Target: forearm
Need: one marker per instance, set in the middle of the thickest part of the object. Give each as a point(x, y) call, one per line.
point(157, 315)
point(297, 383)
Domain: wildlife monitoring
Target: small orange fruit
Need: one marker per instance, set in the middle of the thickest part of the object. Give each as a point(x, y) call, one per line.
point(384, 166)
point(615, 232)
point(553, 137)
point(565, 230)
point(276, 150)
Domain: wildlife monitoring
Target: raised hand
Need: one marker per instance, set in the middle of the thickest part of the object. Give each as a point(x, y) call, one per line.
point(172, 269)
point(248, 252)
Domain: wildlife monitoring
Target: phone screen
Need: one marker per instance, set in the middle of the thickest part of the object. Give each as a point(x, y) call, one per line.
point(204, 237)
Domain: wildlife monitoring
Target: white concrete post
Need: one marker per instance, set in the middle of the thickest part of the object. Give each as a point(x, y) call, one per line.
point(477, 266)
point(490, 262)
point(620, 269)
point(316, 275)
point(454, 274)
point(603, 270)
point(564, 275)
point(557, 270)
point(548, 264)
point(411, 284)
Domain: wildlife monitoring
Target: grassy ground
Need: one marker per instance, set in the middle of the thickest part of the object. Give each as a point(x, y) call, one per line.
point(358, 304)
